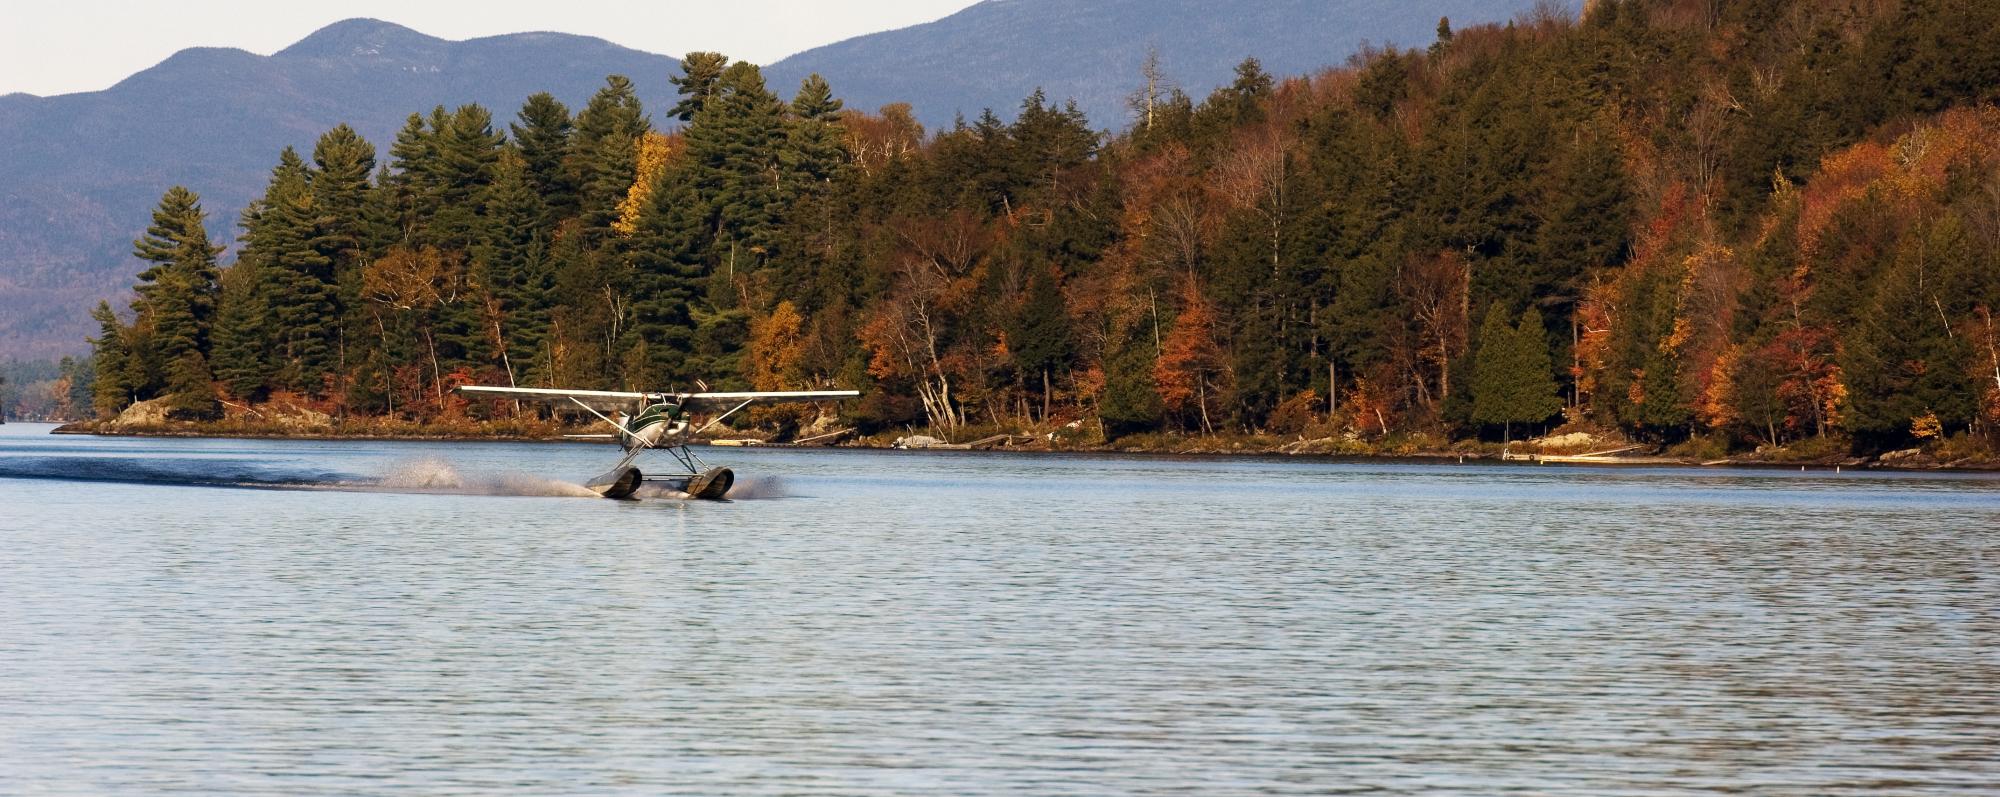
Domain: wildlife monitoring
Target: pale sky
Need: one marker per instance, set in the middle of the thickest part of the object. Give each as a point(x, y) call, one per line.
point(61, 46)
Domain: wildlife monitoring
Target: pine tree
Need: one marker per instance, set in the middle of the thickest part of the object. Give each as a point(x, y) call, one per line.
point(1512, 381)
point(543, 135)
point(1040, 337)
point(1586, 218)
point(80, 376)
point(700, 79)
point(240, 356)
point(1903, 359)
point(514, 258)
point(299, 284)
point(668, 263)
point(733, 155)
point(814, 152)
point(604, 153)
point(469, 151)
point(340, 187)
point(1245, 96)
point(110, 393)
point(176, 304)
point(411, 182)
point(1130, 404)
point(1048, 142)
point(178, 289)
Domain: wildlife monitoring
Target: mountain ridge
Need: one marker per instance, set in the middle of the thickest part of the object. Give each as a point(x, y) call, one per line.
point(80, 172)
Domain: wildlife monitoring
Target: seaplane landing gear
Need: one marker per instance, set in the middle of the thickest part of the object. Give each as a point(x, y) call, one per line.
point(711, 485)
point(618, 483)
point(622, 483)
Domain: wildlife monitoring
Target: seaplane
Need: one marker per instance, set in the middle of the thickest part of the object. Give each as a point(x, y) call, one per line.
point(643, 422)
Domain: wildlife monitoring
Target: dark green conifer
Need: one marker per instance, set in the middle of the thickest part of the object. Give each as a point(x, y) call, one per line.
point(604, 159)
point(543, 135)
point(699, 81)
point(1131, 401)
point(513, 255)
point(239, 357)
point(110, 393)
point(300, 287)
point(668, 261)
point(1512, 380)
point(1903, 359)
point(733, 152)
point(1040, 335)
point(815, 152)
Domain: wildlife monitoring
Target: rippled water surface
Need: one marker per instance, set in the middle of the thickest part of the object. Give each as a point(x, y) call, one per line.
point(261, 617)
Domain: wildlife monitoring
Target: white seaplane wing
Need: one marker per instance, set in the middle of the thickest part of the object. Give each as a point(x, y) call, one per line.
point(594, 399)
point(698, 402)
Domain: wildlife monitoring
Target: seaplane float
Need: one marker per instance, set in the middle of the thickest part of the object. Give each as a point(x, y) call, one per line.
point(643, 422)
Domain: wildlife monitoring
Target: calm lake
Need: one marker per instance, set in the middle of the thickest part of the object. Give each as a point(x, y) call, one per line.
point(223, 617)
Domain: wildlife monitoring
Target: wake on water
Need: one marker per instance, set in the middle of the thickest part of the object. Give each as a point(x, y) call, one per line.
point(192, 472)
point(432, 475)
point(428, 476)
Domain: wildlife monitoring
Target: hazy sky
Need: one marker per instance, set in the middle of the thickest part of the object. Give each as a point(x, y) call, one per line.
point(62, 46)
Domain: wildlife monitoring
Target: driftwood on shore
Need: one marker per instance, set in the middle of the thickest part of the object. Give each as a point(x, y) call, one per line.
point(824, 439)
point(1606, 457)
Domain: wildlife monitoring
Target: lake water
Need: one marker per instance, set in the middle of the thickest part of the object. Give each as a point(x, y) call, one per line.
point(223, 617)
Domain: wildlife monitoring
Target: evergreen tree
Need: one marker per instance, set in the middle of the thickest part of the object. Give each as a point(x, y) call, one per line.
point(543, 135)
point(412, 180)
point(1130, 404)
point(1903, 359)
point(468, 151)
point(1040, 337)
point(667, 258)
point(733, 151)
point(1585, 222)
point(340, 187)
point(815, 152)
point(110, 393)
point(281, 237)
point(604, 153)
point(1048, 143)
point(178, 289)
point(514, 256)
point(176, 304)
point(240, 358)
point(1511, 380)
point(699, 81)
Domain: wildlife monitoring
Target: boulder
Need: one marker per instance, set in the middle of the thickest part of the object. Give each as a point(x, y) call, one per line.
point(294, 417)
point(151, 412)
point(1908, 456)
point(1566, 442)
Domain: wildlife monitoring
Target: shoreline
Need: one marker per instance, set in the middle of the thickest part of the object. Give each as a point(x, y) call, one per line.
point(1236, 451)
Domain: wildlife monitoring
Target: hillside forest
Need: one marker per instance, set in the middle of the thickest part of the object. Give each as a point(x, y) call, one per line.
point(1751, 224)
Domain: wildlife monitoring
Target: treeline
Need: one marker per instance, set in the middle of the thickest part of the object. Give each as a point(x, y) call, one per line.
point(55, 390)
point(1761, 221)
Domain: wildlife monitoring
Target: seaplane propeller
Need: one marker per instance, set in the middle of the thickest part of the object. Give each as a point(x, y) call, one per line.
point(643, 422)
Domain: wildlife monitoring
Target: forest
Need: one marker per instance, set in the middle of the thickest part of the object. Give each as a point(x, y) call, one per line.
point(1755, 224)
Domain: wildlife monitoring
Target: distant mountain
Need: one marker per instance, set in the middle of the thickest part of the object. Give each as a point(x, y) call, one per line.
point(80, 172)
point(994, 54)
